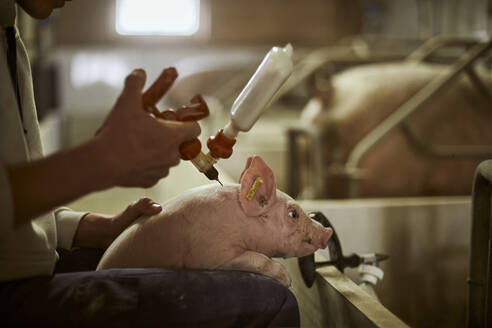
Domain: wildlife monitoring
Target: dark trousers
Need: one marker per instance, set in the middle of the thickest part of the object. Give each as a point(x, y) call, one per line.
point(147, 298)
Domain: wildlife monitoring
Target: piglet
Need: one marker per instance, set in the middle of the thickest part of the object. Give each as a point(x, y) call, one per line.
point(234, 227)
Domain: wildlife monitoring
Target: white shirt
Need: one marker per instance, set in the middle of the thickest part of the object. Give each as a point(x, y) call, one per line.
point(28, 250)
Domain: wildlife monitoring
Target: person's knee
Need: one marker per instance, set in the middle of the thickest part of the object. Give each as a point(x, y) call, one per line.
point(288, 316)
point(282, 304)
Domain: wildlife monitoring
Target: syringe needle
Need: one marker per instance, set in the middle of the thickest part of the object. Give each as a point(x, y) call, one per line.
point(219, 182)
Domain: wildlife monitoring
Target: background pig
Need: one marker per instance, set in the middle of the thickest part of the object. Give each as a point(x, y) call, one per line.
point(358, 99)
point(235, 227)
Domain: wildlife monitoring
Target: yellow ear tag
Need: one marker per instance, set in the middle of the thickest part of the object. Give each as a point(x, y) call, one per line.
point(252, 191)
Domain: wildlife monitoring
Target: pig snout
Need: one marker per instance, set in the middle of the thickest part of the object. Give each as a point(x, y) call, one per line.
point(319, 235)
point(326, 236)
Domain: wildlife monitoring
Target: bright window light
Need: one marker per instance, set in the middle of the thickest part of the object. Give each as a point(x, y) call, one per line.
point(157, 17)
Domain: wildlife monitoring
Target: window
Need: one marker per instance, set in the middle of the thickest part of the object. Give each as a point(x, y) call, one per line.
point(157, 17)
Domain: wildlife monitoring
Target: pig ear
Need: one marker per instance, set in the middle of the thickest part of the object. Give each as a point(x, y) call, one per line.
point(258, 188)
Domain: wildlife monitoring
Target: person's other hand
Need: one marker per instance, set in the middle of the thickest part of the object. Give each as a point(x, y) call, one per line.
point(139, 149)
point(99, 230)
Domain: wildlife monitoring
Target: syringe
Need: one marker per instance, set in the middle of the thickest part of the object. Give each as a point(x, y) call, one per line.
point(272, 72)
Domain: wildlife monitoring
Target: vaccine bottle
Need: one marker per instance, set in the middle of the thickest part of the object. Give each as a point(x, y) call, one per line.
point(270, 75)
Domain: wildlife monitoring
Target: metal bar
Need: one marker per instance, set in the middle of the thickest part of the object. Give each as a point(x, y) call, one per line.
point(436, 43)
point(293, 167)
point(479, 84)
point(419, 100)
point(318, 175)
point(479, 309)
point(449, 150)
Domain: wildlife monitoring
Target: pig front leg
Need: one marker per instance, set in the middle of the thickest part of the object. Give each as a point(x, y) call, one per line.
point(260, 263)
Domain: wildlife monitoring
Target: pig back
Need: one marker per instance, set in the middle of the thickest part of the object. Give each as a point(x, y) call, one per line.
point(196, 229)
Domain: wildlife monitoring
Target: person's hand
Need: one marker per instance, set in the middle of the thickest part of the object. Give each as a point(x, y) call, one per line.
point(132, 148)
point(139, 149)
point(99, 230)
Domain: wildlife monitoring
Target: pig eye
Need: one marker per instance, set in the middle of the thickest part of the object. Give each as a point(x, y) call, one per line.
point(293, 214)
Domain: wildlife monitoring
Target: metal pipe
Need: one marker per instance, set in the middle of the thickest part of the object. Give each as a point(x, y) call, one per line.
point(479, 84)
point(293, 163)
point(434, 44)
point(479, 310)
point(315, 167)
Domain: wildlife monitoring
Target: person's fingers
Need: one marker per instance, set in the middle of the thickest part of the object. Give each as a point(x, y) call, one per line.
point(160, 86)
point(182, 131)
point(164, 173)
point(144, 206)
point(173, 159)
point(191, 130)
point(132, 212)
point(152, 208)
point(147, 206)
point(154, 176)
point(135, 82)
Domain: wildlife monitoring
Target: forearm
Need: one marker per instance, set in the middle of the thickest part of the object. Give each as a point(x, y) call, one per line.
point(43, 184)
point(94, 231)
